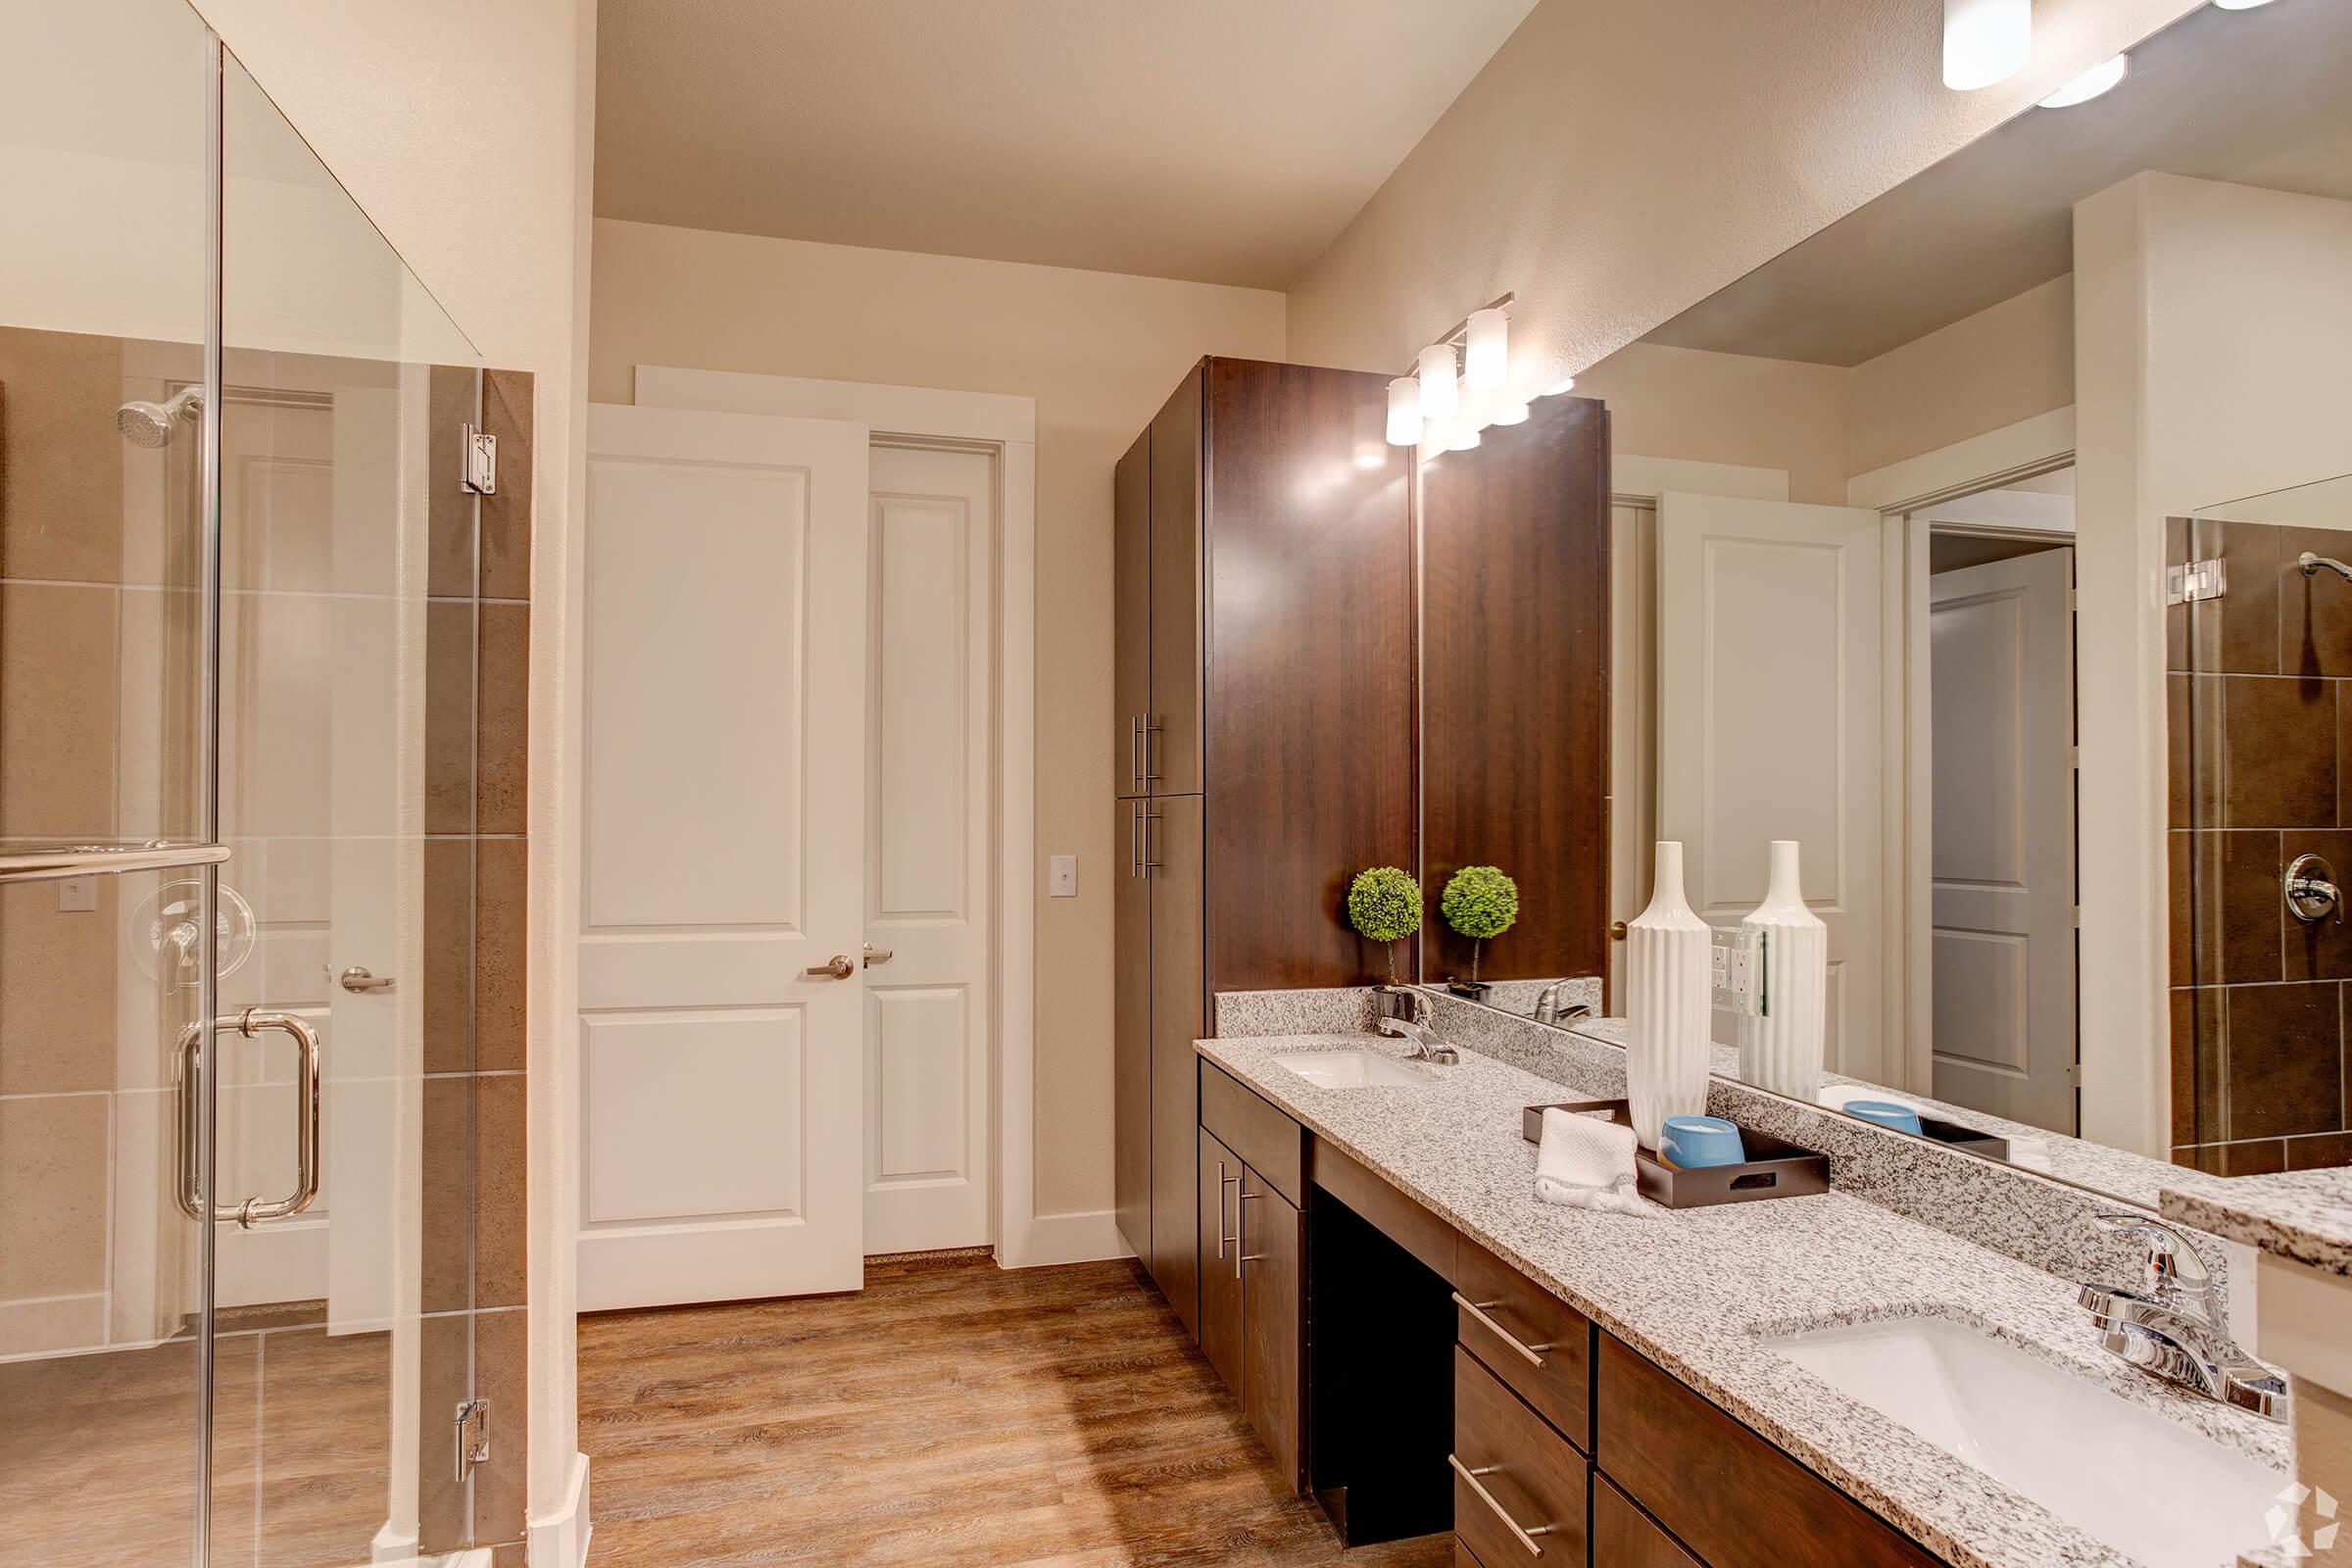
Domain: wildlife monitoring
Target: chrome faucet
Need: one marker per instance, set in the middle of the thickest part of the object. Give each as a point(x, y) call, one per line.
point(1549, 1011)
point(2171, 1327)
point(1427, 1047)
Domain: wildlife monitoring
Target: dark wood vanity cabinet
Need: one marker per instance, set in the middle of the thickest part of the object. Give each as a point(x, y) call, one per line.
point(1260, 516)
point(1252, 1264)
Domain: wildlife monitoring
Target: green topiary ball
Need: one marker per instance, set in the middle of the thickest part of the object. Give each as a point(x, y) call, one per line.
point(1480, 902)
point(1385, 903)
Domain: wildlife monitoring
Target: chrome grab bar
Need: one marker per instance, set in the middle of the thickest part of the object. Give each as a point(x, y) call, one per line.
point(103, 859)
point(1527, 1537)
point(250, 1023)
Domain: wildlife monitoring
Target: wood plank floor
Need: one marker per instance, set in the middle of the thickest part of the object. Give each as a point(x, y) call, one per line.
point(951, 1413)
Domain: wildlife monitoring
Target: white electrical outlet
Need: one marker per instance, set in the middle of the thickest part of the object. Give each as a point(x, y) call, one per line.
point(78, 894)
point(1064, 878)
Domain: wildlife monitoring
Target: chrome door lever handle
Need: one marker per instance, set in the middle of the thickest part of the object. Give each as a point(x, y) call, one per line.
point(837, 968)
point(874, 955)
point(357, 978)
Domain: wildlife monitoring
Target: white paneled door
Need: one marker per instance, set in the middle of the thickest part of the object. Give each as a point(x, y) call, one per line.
point(932, 522)
point(2002, 657)
point(724, 861)
point(1771, 661)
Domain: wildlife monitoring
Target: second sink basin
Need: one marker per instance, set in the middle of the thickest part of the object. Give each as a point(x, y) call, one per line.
point(2151, 1488)
point(1350, 1069)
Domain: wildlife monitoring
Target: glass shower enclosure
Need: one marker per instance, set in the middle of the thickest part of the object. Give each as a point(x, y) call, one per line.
point(237, 1132)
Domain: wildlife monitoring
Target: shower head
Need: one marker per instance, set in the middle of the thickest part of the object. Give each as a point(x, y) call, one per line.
point(150, 424)
point(2312, 564)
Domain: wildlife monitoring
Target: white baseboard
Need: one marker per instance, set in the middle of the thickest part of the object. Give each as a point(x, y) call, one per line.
point(1085, 1236)
point(560, 1540)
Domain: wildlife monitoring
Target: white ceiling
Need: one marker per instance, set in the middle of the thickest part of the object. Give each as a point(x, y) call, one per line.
point(1225, 142)
point(2260, 97)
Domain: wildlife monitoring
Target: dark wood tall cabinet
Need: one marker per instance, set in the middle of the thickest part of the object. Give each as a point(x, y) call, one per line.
point(1264, 736)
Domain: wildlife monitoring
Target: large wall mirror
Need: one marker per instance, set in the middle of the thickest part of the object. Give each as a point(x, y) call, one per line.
point(1880, 565)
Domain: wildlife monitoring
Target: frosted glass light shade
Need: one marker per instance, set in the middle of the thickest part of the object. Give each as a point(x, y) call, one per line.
point(1486, 352)
point(2238, 5)
point(1461, 436)
point(1985, 41)
point(2088, 85)
point(1509, 414)
point(1565, 385)
point(1440, 396)
point(1404, 411)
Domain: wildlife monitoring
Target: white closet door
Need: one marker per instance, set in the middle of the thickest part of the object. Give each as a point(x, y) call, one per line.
point(2003, 934)
point(1771, 664)
point(723, 858)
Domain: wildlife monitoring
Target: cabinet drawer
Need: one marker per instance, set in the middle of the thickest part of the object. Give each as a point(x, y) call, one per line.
point(1624, 1537)
point(1529, 1338)
point(1463, 1557)
point(1267, 1141)
point(1512, 1470)
point(1730, 1497)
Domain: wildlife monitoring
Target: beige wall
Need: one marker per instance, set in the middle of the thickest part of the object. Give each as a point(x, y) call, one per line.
point(2211, 334)
point(1614, 164)
point(2004, 363)
point(1099, 353)
point(1728, 407)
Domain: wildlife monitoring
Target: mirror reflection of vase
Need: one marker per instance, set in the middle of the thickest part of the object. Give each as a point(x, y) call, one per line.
point(1780, 1048)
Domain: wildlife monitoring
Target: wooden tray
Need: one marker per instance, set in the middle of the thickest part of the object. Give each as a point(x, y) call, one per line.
point(1774, 1168)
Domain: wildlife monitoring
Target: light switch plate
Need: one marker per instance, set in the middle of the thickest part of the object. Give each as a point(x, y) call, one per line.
point(78, 894)
point(1064, 876)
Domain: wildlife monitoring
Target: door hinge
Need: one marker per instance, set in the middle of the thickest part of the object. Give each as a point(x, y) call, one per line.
point(474, 1435)
point(2195, 581)
point(2074, 1075)
point(477, 463)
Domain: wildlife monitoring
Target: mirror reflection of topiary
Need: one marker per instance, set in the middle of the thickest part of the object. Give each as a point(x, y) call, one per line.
point(1385, 905)
point(1480, 902)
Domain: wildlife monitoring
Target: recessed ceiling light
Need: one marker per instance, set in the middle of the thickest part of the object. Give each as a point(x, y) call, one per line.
point(2088, 85)
point(1985, 41)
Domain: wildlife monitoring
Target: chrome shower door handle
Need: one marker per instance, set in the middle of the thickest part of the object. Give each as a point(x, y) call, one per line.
point(307, 1072)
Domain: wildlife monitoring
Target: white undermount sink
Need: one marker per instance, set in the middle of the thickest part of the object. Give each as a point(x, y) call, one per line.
point(2124, 1475)
point(1348, 1069)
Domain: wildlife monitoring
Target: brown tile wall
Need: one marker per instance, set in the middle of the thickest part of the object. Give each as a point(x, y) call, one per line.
point(2259, 712)
point(477, 633)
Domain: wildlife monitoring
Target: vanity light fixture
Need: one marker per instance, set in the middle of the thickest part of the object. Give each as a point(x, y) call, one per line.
point(1560, 388)
point(1440, 397)
point(2238, 5)
point(1486, 350)
point(1985, 41)
point(1404, 411)
point(2088, 85)
point(1462, 436)
point(1509, 414)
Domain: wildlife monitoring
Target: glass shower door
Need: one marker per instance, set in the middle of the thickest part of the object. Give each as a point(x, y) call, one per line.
point(103, 323)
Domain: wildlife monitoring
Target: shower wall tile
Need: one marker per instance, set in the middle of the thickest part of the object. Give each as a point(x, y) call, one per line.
point(502, 781)
point(2278, 738)
point(2238, 633)
point(53, 1193)
point(505, 529)
point(57, 988)
point(501, 942)
point(501, 1361)
point(447, 984)
point(60, 456)
point(58, 688)
point(500, 1176)
point(449, 716)
point(452, 399)
point(2259, 772)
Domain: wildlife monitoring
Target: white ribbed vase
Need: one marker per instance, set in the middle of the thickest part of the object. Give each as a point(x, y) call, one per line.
point(1782, 1049)
point(1667, 1004)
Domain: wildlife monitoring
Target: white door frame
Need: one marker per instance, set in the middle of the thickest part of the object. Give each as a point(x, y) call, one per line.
point(2030, 447)
point(1006, 426)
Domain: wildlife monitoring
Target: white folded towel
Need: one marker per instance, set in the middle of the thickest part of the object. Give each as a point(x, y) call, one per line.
point(1587, 1162)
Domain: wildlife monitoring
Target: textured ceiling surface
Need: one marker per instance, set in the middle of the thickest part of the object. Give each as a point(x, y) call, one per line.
point(1225, 142)
point(2258, 97)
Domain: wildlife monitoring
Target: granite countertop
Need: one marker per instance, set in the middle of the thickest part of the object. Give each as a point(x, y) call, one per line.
point(2305, 1215)
point(1700, 1291)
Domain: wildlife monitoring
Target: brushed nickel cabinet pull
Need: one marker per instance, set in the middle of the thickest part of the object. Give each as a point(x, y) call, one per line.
point(1480, 1309)
point(1527, 1537)
point(1224, 1181)
point(1239, 1197)
point(837, 968)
